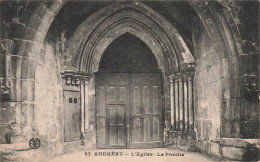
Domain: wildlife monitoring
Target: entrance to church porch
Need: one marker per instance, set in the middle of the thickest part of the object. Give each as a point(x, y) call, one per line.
point(128, 96)
point(129, 110)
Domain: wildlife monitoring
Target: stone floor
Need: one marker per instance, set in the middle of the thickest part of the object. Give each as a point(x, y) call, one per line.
point(132, 155)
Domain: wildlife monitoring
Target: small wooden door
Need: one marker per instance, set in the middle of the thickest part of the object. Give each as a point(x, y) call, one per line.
point(72, 115)
point(146, 113)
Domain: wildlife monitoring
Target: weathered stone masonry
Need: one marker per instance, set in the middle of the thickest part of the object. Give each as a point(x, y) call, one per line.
point(211, 99)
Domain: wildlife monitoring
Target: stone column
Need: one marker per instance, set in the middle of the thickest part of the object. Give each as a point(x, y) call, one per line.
point(181, 102)
point(185, 102)
point(84, 102)
point(86, 110)
point(177, 108)
point(191, 101)
point(181, 97)
point(172, 98)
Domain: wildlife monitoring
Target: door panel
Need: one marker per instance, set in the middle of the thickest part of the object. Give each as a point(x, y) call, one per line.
point(111, 94)
point(101, 132)
point(101, 116)
point(146, 127)
point(136, 100)
point(112, 101)
point(146, 104)
point(101, 97)
point(146, 118)
point(156, 126)
point(117, 123)
point(136, 129)
point(72, 115)
point(121, 94)
point(155, 100)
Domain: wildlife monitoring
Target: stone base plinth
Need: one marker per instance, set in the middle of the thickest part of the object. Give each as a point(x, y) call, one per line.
point(231, 148)
point(182, 139)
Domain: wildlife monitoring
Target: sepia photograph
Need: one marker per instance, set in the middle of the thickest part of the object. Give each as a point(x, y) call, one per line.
point(129, 81)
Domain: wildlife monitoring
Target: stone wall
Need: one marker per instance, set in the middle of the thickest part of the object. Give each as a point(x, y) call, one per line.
point(243, 17)
point(207, 83)
point(48, 112)
point(249, 56)
point(225, 103)
point(38, 114)
point(208, 80)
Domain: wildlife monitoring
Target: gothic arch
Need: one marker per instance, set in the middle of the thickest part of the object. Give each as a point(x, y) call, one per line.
point(110, 22)
point(111, 35)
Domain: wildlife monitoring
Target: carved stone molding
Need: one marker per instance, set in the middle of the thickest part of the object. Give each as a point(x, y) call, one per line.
point(5, 89)
point(73, 78)
point(251, 89)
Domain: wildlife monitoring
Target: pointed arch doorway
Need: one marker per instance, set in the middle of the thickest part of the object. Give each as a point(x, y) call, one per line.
point(129, 96)
point(173, 64)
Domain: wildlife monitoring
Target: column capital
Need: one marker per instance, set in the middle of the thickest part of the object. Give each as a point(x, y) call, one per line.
point(185, 76)
point(75, 77)
point(190, 75)
point(85, 78)
point(176, 76)
point(180, 75)
point(172, 77)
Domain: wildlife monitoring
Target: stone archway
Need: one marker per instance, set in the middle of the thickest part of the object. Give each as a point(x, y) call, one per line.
point(131, 81)
point(172, 54)
point(29, 43)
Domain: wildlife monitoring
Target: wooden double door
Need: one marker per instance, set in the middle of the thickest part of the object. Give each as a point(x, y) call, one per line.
point(129, 110)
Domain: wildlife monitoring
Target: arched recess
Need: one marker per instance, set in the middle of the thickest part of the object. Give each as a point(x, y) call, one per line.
point(175, 60)
point(127, 26)
point(110, 22)
point(224, 35)
point(27, 42)
point(128, 54)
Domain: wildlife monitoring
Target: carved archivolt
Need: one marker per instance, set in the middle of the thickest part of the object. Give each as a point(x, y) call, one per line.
point(94, 35)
